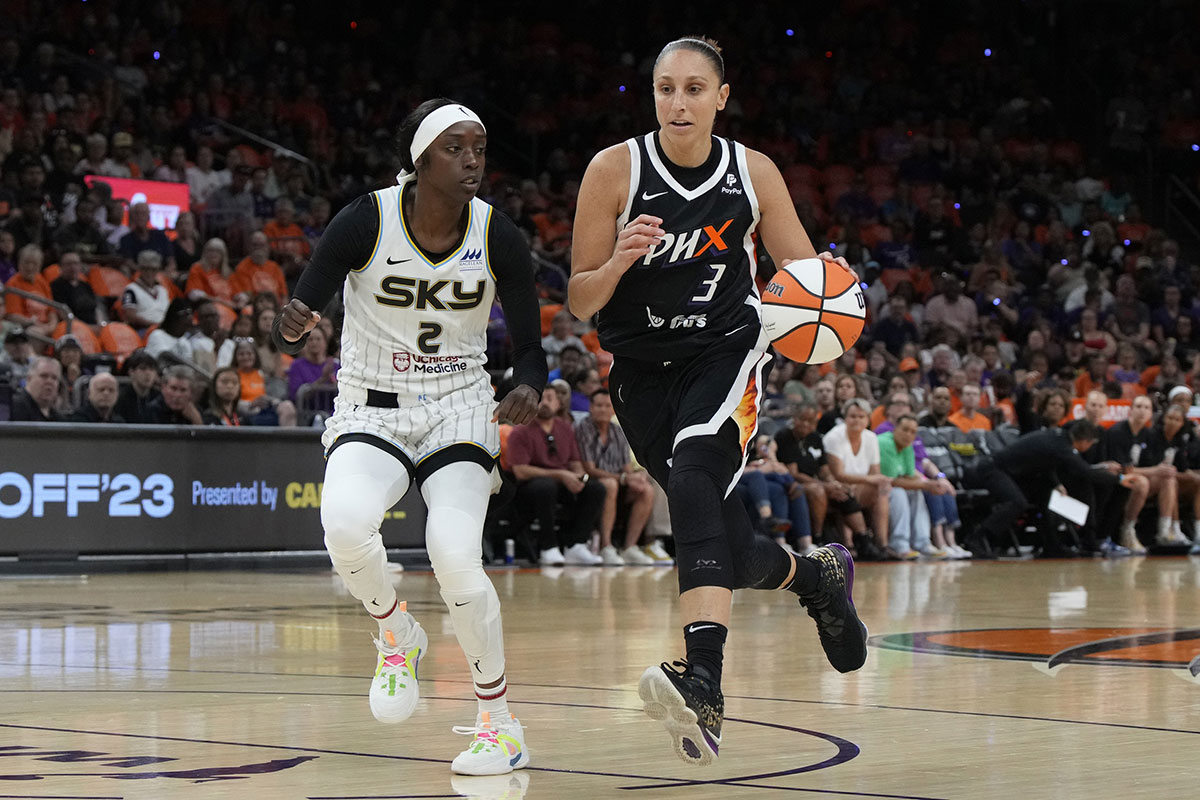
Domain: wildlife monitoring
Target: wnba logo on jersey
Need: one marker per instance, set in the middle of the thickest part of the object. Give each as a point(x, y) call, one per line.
point(684, 245)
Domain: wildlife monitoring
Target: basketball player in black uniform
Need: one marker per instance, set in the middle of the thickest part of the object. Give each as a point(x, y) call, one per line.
point(662, 250)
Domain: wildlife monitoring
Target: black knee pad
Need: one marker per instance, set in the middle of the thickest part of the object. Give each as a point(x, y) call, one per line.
point(700, 474)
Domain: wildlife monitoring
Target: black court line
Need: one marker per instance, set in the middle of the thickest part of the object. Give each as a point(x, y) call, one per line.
point(663, 781)
point(916, 709)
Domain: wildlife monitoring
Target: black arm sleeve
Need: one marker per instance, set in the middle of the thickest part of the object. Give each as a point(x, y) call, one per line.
point(509, 256)
point(346, 244)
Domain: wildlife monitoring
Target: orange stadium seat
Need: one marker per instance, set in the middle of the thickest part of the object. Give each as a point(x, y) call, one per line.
point(106, 281)
point(804, 191)
point(119, 339)
point(834, 192)
point(548, 312)
point(879, 175)
point(82, 333)
point(505, 432)
point(804, 174)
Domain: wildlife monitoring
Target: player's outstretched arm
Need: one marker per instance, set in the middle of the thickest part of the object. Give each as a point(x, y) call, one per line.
point(600, 254)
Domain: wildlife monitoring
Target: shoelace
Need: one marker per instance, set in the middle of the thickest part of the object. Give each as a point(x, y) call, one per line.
point(483, 731)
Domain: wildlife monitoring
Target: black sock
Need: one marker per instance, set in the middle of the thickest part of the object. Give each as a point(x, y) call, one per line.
point(705, 643)
point(807, 576)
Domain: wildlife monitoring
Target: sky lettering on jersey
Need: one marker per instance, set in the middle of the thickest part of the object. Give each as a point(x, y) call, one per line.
point(683, 247)
point(401, 292)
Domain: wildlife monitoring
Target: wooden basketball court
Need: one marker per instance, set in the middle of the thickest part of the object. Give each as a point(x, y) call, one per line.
point(1051, 679)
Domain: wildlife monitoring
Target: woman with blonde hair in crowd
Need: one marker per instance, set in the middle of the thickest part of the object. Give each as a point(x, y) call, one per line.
point(208, 279)
point(852, 452)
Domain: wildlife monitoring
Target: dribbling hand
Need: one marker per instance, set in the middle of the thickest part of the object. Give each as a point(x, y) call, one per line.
point(297, 319)
point(518, 406)
point(827, 256)
point(637, 239)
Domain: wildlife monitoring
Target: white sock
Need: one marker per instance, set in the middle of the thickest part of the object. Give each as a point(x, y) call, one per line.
point(1164, 526)
point(396, 626)
point(494, 703)
point(1196, 530)
point(1177, 529)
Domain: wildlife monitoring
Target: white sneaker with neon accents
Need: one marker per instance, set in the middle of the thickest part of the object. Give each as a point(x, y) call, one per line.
point(495, 749)
point(394, 692)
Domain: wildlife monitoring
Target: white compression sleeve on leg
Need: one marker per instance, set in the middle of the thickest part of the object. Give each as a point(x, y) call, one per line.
point(457, 497)
point(361, 483)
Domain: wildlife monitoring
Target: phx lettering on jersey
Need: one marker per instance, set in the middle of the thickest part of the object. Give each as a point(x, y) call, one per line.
point(428, 365)
point(685, 247)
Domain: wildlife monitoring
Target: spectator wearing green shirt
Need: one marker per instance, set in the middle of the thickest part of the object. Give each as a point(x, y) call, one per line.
point(908, 516)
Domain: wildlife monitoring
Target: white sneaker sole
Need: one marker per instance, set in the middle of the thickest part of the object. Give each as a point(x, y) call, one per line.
point(662, 701)
point(388, 709)
point(500, 766)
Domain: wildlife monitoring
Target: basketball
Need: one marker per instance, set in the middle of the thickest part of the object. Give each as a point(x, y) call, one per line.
point(813, 311)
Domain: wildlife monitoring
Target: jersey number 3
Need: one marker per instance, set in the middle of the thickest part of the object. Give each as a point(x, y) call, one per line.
point(429, 332)
point(708, 288)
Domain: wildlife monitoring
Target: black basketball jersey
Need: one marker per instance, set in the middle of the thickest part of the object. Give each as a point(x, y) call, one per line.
point(695, 290)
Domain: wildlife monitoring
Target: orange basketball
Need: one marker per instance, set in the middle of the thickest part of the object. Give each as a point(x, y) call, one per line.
point(813, 311)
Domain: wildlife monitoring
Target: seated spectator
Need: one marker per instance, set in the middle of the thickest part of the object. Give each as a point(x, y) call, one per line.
point(36, 317)
point(38, 400)
point(224, 394)
point(570, 361)
point(211, 278)
point(1093, 379)
point(604, 452)
point(853, 455)
point(773, 490)
point(134, 401)
point(145, 300)
point(70, 356)
point(142, 237)
point(584, 383)
point(1166, 448)
point(940, 403)
point(101, 403)
point(185, 248)
point(846, 388)
point(284, 236)
point(561, 336)
point(171, 337)
point(1002, 409)
point(8, 255)
point(801, 449)
point(212, 346)
point(1045, 408)
point(909, 532)
point(258, 273)
point(174, 406)
point(17, 354)
point(897, 328)
point(273, 363)
point(313, 367)
point(545, 461)
point(82, 236)
point(1127, 371)
point(261, 407)
point(72, 290)
point(951, 309)
point(969, 417)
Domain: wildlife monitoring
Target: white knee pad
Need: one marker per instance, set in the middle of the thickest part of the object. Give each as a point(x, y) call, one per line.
point(457, 496)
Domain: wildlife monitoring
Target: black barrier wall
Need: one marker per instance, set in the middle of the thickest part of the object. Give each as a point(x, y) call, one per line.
point(75, 489)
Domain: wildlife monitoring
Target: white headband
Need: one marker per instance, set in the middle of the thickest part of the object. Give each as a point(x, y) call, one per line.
point(433, 126)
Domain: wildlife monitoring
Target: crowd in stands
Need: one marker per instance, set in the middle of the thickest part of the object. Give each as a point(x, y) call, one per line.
point(991, 196)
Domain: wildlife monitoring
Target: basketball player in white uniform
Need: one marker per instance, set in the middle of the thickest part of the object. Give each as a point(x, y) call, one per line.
point(420, 263)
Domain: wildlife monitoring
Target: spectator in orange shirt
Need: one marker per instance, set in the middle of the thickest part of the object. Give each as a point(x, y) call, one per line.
point(211, 278)
point(284, 236)
point(257, 272)
point(34, 316)
point(1092, 380)
point(260, 407)
point(969, 418)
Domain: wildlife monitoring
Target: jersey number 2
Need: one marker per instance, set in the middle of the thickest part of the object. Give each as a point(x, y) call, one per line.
point(429, 332)
point(710, 285)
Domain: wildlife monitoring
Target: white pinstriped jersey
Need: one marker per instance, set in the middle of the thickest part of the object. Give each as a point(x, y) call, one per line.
point(415, 327)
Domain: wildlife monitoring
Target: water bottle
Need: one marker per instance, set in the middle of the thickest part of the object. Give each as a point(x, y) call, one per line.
point(510, 551)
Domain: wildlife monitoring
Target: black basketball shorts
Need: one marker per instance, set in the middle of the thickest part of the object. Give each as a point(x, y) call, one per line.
point(661, 404)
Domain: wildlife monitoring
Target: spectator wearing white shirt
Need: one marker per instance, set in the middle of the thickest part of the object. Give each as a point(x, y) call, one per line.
point(145, 300)
point(852, 452)
point(213, 346)
point(171, 337)
point(202, 179)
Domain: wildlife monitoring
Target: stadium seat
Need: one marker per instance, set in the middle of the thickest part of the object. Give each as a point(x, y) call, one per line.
point(548, 311)
point(803, 174)
point(119, 339)
point(838, 173)
point(82, 333)
point(879, 175)
point(106, 281)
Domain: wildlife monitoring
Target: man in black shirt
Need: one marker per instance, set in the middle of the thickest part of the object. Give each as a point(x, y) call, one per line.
point(938, 415)
point(101, 400)
point(174, 406)
point(1111, 494)
point(36, 402)
point(1045, 458)
point(70, 289)
point(135, 398)
point(802, 450)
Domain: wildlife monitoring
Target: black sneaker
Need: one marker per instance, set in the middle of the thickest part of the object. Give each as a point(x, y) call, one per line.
point(843, 635)
point(690, 706)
